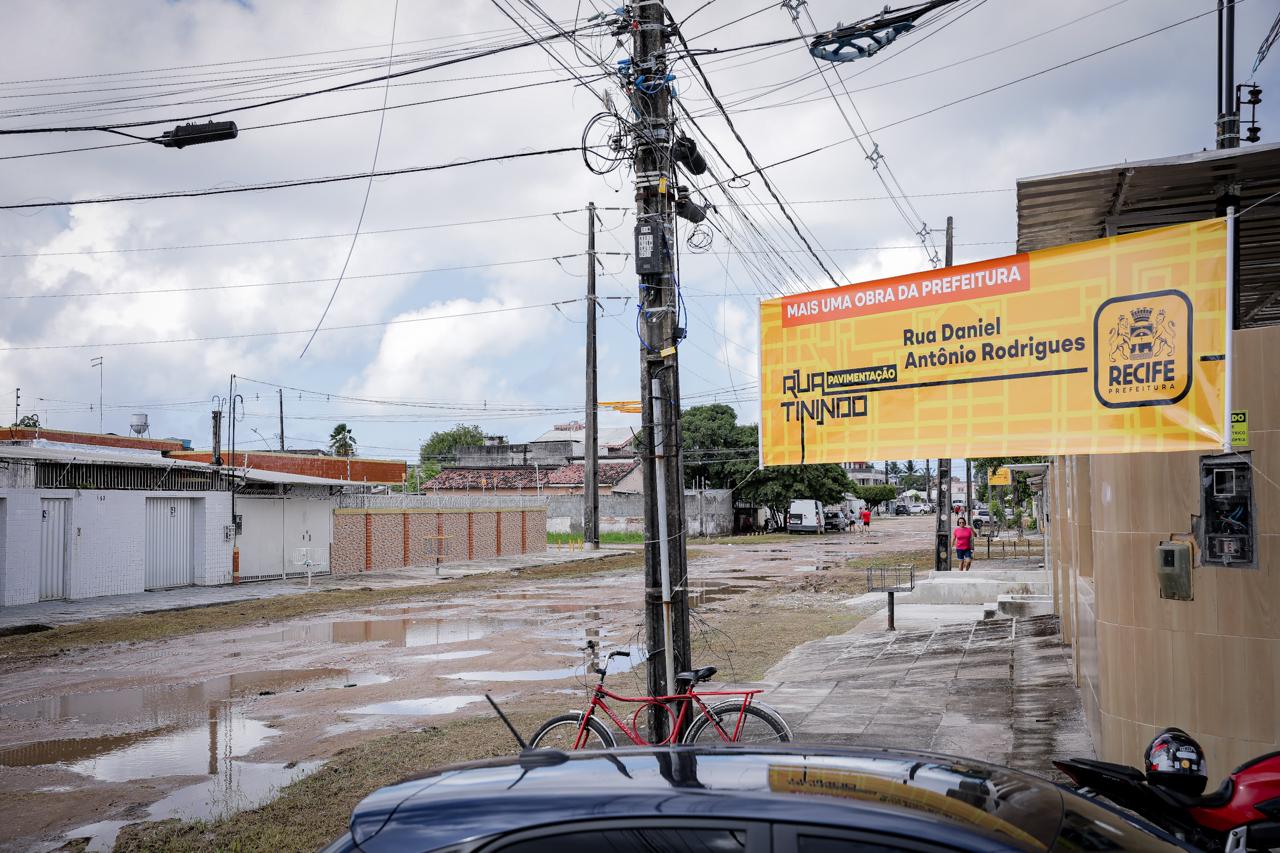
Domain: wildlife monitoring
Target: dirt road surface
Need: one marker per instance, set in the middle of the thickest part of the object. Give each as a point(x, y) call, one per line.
point(204, 725)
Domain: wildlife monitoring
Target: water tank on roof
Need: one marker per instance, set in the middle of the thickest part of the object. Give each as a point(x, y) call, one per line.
point(138, 423)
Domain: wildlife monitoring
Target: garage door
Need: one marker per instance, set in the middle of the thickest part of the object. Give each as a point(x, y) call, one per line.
point(170, 559)
point(53, 547)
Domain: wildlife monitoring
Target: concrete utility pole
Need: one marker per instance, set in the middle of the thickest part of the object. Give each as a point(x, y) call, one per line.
point(280, 391)
point(942, 559)
point(666, 595)
point(17, 404)
point(590, 439)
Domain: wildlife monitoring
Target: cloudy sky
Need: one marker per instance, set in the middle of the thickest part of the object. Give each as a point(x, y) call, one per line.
point(451, 259)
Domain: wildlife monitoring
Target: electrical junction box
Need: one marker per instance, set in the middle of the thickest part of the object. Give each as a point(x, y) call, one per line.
point(1173, 570)
point(1228, 534)
point(651, 243)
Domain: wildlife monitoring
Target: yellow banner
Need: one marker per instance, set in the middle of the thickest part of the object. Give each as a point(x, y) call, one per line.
point(1000, 477)
point(1110, 346)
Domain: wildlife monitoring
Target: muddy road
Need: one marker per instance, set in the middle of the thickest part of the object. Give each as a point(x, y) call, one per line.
point(205, 725)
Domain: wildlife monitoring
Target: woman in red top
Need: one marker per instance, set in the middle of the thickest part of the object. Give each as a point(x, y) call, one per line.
point(866, 519)
point(962, 540)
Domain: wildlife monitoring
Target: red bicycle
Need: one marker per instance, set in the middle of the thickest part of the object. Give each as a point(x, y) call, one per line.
point(738, 720)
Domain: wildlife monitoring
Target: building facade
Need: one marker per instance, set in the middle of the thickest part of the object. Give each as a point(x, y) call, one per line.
point(1147, 654)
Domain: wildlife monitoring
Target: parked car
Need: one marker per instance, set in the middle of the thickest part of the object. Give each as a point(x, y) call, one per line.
point(901, 509)
point(835, 519)
point(920, 509)
point(785, 797)
point(981, 517)
point(805, 516)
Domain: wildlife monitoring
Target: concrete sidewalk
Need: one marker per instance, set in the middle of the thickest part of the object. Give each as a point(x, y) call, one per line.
point(998, 690)
point(184, 598)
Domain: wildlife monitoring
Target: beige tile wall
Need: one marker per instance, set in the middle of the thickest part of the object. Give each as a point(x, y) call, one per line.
point(1207, 665)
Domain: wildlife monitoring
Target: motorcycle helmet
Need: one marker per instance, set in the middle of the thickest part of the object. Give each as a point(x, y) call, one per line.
point(1175, 761)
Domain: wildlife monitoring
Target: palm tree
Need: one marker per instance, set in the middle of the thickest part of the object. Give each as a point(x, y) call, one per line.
point(342, 442)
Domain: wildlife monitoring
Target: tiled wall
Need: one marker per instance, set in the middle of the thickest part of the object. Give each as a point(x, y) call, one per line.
point(1211, 665)
point(375, 539)
point(106, 541)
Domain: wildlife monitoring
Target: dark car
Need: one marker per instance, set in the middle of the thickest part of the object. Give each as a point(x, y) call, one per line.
point(788, 798)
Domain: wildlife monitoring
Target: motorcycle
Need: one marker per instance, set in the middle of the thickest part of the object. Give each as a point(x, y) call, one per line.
point(1242, 815)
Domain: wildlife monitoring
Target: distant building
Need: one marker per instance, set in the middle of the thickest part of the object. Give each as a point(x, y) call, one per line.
point(565, 478)
point(863, 473)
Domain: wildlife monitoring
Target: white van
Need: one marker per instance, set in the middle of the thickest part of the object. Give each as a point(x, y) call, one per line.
point(805, 516)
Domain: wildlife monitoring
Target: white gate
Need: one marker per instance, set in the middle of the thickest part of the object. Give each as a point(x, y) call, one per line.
point(53, 547)
point(170, 557)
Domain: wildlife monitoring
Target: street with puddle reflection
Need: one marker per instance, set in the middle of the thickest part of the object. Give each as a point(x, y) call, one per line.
point(203, 725)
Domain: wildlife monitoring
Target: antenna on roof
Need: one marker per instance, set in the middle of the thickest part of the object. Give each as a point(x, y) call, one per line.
point(515, 734)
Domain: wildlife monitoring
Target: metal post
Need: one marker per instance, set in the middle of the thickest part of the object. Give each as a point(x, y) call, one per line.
point(1228, 119)
point(942, 555)
point(17, 404)
point(968, 491)
point(280, 391)
point(591, 442)
point(664, 547)
point(96, 361)
point(660, 378)
point(1229, 343)
point(891, 628)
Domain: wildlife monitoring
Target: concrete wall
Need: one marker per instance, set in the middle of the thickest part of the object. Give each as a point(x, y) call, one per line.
point(107, 536)
point(1210, 665)
point(394, 537)
point(708, 512)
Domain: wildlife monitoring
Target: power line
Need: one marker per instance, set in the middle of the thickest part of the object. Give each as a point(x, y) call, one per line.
point(970, 97)
point(294, 97)
point(368, 188)
point(706, 84)
point(270, 240)
point(301, 182)
point(290, 282)
point(283, 332)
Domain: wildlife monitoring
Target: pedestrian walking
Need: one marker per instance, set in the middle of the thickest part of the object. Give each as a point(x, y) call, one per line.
point(866, 520)
point(962, 541)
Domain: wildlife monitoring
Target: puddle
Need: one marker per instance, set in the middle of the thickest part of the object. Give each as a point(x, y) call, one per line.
point(425, 707)
point(163, 704)
point(241, 785)
point(172, 751)
point(522, 674)
point(393, 633)
point(461, 655)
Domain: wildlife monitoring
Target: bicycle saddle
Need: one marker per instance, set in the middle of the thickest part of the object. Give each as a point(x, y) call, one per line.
point(697, 675)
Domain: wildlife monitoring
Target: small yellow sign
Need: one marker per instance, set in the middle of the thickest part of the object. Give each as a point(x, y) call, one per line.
point(1240, 429)
point(1000, 477)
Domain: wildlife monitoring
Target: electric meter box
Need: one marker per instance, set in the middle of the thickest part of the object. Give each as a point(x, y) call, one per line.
point(1173, 570)
point(652, 241)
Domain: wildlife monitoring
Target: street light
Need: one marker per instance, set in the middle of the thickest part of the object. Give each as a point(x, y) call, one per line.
point(198, 134)
point(259, 435)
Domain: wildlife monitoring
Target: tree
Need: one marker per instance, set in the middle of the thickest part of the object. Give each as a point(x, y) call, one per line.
point(777, 487)
point(715, 447)
point(342, 442)
point(876, 494)
point(32, 420)
point(443, 446)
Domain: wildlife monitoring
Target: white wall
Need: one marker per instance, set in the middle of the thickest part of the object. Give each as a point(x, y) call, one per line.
point(107, 535)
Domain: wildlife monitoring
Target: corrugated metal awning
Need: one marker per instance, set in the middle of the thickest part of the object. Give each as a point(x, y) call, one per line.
point(1071, 207)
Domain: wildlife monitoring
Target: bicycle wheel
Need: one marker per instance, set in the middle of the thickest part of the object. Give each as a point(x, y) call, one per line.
point(761, 724)
point(561, 732)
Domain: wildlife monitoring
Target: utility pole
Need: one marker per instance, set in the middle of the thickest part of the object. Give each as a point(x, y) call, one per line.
point(280, 391)
point(666, 595)
point(96, 361)
point(1228, 118)
point(17, 404)
point(942, 559)
point(590, 440)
